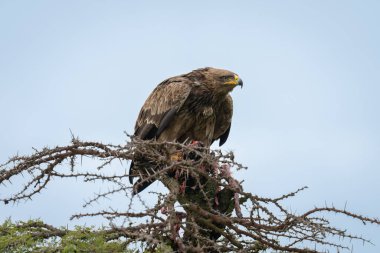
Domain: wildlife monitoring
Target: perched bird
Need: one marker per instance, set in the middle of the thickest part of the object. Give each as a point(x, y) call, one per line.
point(191, 107)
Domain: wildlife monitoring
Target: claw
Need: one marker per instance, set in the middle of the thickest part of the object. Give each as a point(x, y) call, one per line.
point(177, 156)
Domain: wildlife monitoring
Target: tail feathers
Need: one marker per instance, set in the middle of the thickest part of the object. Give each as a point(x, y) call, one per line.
point(140, 185)
point(130, 172)
point(142, 172)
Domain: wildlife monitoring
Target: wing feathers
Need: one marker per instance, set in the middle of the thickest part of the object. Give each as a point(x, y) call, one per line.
point(169, 116)
point(223, 138)
point(148, 132)
point(157, 113)
point(162, 104)
point(223, 120)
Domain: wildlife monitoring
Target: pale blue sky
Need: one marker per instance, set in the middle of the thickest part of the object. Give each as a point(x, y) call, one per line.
point(308, 113)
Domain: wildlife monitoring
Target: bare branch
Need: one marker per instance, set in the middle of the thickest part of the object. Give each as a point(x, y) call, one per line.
point(196, 214)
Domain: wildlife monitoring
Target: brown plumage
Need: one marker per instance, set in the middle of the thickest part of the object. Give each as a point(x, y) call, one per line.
point(192, 107)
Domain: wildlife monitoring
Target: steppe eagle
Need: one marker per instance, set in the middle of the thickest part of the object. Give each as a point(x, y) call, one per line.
point(191, 107)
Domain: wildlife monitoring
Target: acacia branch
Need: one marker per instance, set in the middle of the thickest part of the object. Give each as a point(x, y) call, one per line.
point(196, 214)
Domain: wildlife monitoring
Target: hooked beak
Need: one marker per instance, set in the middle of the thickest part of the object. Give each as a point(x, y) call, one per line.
point(240, 82)
point(236, 81)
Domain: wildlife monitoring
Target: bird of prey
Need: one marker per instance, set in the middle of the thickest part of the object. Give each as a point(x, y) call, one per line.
point(195, 106)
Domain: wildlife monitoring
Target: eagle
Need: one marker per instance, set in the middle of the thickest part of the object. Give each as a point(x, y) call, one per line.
point(196, 106)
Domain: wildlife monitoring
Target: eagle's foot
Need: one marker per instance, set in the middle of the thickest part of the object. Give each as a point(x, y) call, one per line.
point(176, 157)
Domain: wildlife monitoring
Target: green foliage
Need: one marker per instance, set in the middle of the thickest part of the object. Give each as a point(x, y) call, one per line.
point(35, 236)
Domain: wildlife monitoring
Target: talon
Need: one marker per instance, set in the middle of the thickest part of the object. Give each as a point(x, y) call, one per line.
point(176, 157)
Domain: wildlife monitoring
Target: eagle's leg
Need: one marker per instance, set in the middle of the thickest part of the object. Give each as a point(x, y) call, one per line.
point(176, 156)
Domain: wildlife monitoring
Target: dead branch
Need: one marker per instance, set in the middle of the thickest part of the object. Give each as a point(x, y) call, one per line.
point(205, 209)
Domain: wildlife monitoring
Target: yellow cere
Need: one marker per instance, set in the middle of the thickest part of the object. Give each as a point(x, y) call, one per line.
point(235, 81)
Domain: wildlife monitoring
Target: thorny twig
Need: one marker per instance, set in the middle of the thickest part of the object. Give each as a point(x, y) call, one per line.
point(196, 215)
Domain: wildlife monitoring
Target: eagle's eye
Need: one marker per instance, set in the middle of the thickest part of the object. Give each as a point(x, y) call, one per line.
point(227, 78)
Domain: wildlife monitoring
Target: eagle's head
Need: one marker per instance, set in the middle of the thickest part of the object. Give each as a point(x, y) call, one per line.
point(219, 80)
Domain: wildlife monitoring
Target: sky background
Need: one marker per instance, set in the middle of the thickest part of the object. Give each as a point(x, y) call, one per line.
point(308, 113)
